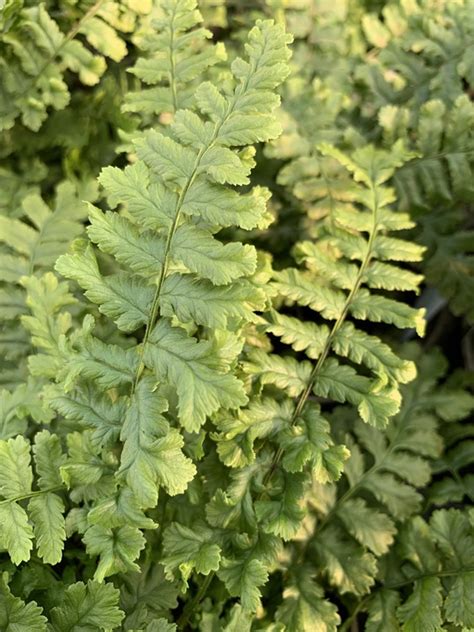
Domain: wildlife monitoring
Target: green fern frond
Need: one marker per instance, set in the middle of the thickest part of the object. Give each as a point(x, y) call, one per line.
point(30, 244)
point(277, 447)
point(430, 583)
point(197, 161)
point(427, 48)
point(15, 612)
point(170, 273)
point(370, 510)
point(343, 267)
point(453, 479)
point(36, 54)
point(178, 54)
point(424, 100)
point(438, 185)
point(92, 604)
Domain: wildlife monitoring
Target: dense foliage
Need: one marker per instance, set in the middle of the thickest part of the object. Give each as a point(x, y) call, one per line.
point(236, 311)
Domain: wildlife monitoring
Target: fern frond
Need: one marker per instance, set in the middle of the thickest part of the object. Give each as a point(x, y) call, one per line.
point(437, 184)
point(352, 252)
point(36, 54)
point(162, 266)
point(177, 54)
point(93, 604)
point(276, 448)
point(453, 479)
point(30, 244)
point(430, 583)
point(366, 517)
point(428, 48)
point(424, 99)
point(178, 169)
point(15, 612)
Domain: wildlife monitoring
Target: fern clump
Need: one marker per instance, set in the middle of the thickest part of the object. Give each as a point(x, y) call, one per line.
point(235, 306)
point(277, 444)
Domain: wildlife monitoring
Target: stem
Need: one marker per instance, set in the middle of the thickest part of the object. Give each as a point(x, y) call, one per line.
point(39, 492)
point(195, 601)
point(362, 604)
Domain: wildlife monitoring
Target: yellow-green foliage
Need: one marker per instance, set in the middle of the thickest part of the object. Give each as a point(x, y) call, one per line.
point(230, 237)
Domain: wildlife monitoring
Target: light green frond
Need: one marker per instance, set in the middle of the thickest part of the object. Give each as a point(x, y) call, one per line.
point(261, 419)
point(281, 514)
point(301, 335)
point(363, 348)
point(243, 578)
point(353, 571)
point(42, 518)
point(371, 528)
point(191, 299)
point(91, 410)
point(146, 202)
point(109, 365)
point(298, 287)
point(377, 308)
point(126, 299)
point(178, 52)
point(31, 243)
point(36, 55)
point(46, 513)
point(304, 607)
point(117, 549)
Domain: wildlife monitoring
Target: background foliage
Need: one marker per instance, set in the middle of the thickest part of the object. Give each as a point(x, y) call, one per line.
point(236, 310)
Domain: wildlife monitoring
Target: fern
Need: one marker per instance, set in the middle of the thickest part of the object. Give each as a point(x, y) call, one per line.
point(262, 502)
point(334, 287)
point(427, 47)
point(440, 176)
point(210, 422)
point(45, 508)
point(433, 588)
point(369, 512)
point(30, 244)
point(453, 482)
point(36, 53)
point(93, 605)
point(178, 55)
point(429, 51)
point(176, 276)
